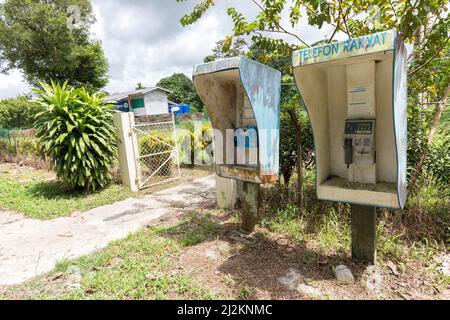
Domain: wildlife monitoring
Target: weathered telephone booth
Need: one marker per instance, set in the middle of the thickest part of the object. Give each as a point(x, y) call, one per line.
point(355, 93)
point(242, 98)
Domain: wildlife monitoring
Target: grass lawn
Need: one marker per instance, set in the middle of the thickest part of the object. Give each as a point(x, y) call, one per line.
point(206, 256)
point(37, 194)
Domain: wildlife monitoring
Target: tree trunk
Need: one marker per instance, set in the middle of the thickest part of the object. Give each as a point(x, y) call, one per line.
point(423, 157)
point(298, 138)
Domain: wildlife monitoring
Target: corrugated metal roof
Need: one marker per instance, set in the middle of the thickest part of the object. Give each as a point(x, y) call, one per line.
point(125, 95)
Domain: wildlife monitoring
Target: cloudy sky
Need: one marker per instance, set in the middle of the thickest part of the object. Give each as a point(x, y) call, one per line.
point(144, 41)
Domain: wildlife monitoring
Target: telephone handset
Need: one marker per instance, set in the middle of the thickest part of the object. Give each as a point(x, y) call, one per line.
point(348, 152)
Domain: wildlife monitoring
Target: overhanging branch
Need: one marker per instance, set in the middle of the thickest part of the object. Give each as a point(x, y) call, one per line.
point(283, 30)
point(430, 59)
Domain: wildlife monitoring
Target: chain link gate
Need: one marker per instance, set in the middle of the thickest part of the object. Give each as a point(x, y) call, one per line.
point(156, 153)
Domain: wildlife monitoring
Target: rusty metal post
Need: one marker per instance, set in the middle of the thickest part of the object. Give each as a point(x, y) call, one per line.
point(364, 233)
point(250, 199)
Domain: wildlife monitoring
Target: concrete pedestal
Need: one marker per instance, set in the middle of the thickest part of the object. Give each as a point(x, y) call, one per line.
point(226, 191)
point(364, 233)
point(250, 199)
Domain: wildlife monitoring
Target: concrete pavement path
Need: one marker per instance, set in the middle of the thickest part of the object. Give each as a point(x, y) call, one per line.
point(31, 247)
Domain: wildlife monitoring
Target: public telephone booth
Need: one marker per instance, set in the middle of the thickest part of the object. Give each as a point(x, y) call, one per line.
point(242, 98)
point(355, 93)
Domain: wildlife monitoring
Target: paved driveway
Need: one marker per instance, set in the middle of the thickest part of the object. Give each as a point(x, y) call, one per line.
point(31, 247)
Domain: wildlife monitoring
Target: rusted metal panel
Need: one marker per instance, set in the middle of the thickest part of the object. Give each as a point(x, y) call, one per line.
point(153, 118)
point(269, 179)
point(263, 87)
point(240, 173)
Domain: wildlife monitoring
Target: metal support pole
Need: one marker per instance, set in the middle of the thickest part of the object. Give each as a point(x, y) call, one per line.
point(250, 199)
point(364, 233)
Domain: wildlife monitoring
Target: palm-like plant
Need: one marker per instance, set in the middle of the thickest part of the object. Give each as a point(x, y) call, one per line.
point(76, 131)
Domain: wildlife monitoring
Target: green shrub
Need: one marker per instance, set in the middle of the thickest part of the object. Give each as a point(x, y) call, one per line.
point(4, 146)
point(6, 142)
point(437, 165)
point(27, 146)
point(438, 161)
point(288, 144)
point(76, 131)
point(18, 113)
point(195, 145)
point(19, 142)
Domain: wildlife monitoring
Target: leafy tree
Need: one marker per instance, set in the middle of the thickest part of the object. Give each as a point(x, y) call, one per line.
point(183, 90)
point(410, 18)
point(429, 89)
point(422, 23)
point(224, 49)
point(76, 131)
point(438, 162)
point(49, 39)
point(18, 113)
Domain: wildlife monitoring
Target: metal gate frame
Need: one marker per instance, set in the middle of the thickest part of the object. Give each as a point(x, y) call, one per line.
point(173, 153)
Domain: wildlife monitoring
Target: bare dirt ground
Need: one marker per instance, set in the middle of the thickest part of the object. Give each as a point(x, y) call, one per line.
point(267, 265)
point(21, 170)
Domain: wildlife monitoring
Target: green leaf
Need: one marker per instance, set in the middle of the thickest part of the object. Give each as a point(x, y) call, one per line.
point(82, 145)
point(72, 141)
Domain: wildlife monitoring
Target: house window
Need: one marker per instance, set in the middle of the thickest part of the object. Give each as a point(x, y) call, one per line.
point(137, 103)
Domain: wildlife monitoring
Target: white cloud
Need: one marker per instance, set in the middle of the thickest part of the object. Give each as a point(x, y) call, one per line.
point(12, 84)
point(144, 41)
